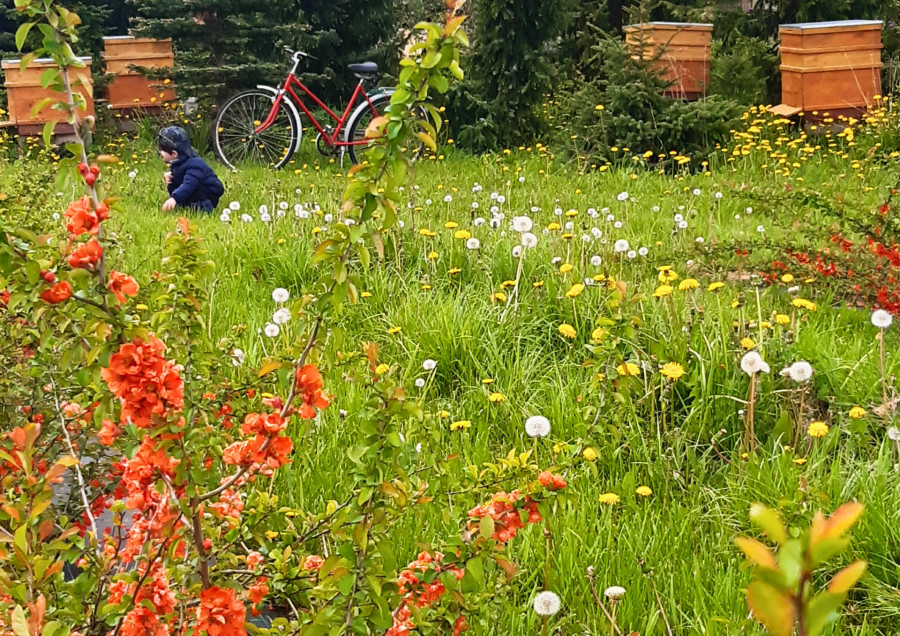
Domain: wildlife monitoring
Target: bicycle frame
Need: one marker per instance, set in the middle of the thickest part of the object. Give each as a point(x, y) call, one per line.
point(331, 140)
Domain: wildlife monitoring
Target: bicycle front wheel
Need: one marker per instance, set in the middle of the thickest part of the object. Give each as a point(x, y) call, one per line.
point(236, 140)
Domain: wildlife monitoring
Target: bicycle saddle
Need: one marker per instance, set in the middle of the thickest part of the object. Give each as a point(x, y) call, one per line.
point(364, 70)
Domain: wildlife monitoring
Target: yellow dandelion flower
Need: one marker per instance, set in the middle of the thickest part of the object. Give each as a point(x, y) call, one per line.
point(628, 369)
point(715, 286)
point(747, 343)
point(365, 294)
point(451, 225)
point(537, 283)
point(688, 284)
point(432, 256)
point(507, 283)
point(462, 235)
point(799, 460)
point(600, 377)
point(454, 270)
point(460, 424)
point(662, 291)
point(444, 415)
point(496, 397)
point(644, 491)
point(382, 368)
point(787, 278)
point(609, 499)
point(426, 232)
point(394, 330)
point(672, 371)
point(553, 226)
point(782, 319)
point(598, 334)
point(589, 454)
point(487, 381)
point(567, 330)
point(575, 290)
point(817, 429)
point(857, 412)
point(565, 268)
point(500, 297)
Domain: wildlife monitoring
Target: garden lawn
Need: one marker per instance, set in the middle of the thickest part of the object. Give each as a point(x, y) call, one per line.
point(502, 357)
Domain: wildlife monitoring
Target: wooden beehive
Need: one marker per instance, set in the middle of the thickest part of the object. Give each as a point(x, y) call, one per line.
point(681, 51)
point(129, 88)
point(24, 92)
point(830, 66)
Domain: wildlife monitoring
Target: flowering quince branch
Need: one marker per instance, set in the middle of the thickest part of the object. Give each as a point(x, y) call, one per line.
point(781, 595)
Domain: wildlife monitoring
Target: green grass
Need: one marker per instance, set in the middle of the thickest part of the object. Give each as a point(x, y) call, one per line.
point(684, 531)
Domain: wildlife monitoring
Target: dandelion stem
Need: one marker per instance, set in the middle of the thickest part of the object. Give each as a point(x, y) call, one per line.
point(749, 437)
point(884, 400)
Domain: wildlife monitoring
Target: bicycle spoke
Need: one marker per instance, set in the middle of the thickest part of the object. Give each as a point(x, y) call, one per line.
point(237, 138)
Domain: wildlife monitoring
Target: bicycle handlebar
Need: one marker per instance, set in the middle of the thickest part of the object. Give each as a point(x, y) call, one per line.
point(296, 55)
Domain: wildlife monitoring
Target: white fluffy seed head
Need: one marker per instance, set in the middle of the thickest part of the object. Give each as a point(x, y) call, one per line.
point(753, 363)
point(473, 243)
point(546, 604)
point(429, 364)
point(272, 329)
point(893, 434)
point(621, 246)
point(800, 371)
point(281, 316)
point(882, 319)
point(529, 239)
point(614, 592)
point(522, 224)
point(280, 295)
point(537, 426)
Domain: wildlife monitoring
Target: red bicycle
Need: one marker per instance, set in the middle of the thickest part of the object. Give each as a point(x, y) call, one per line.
point(262, 125)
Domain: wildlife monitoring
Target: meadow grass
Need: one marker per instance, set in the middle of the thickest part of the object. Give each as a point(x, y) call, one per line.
point(683, 533)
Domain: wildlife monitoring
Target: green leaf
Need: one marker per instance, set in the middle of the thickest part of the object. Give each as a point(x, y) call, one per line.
point(790, 559)
point(475, 567)
point(774, 608)
point(822, 611)
point(49, 127)
point(22, 33)
point(19, 622)
point(768, 521)
point(486, 527)
point(847, 578)
point(757, 552)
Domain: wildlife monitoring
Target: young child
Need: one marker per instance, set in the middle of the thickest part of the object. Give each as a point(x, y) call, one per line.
point(190, 181)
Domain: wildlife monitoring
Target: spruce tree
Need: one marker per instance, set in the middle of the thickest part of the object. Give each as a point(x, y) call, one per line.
point(222, 46)
point(347, 31)
point(509, 72)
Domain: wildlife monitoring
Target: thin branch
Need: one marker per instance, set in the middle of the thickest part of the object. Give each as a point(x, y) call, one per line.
point(82, 488)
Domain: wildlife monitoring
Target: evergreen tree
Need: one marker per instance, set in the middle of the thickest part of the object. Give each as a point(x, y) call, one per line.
point(347, 31)
point(224, 45)
point(509, 72)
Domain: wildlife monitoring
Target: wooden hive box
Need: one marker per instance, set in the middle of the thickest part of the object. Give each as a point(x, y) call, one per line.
point(24, 91)
point(830, 66)
point(682, 53)
point(130, 89)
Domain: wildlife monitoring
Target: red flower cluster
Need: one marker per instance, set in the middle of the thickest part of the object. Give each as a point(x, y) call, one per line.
point(230, 504)
point(143, 471)
point(145, 382)
point(142, 620)
point(422, 594)
point(58, 293)
point(266, 447)
point(221, 613)
point(309, 385)
point(507, 515)
point(551, 481)
point(122, 285)
point(82, 219)
point(86, 255)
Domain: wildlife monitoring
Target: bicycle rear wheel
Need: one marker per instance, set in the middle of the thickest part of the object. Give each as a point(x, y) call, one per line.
point(236, 141)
